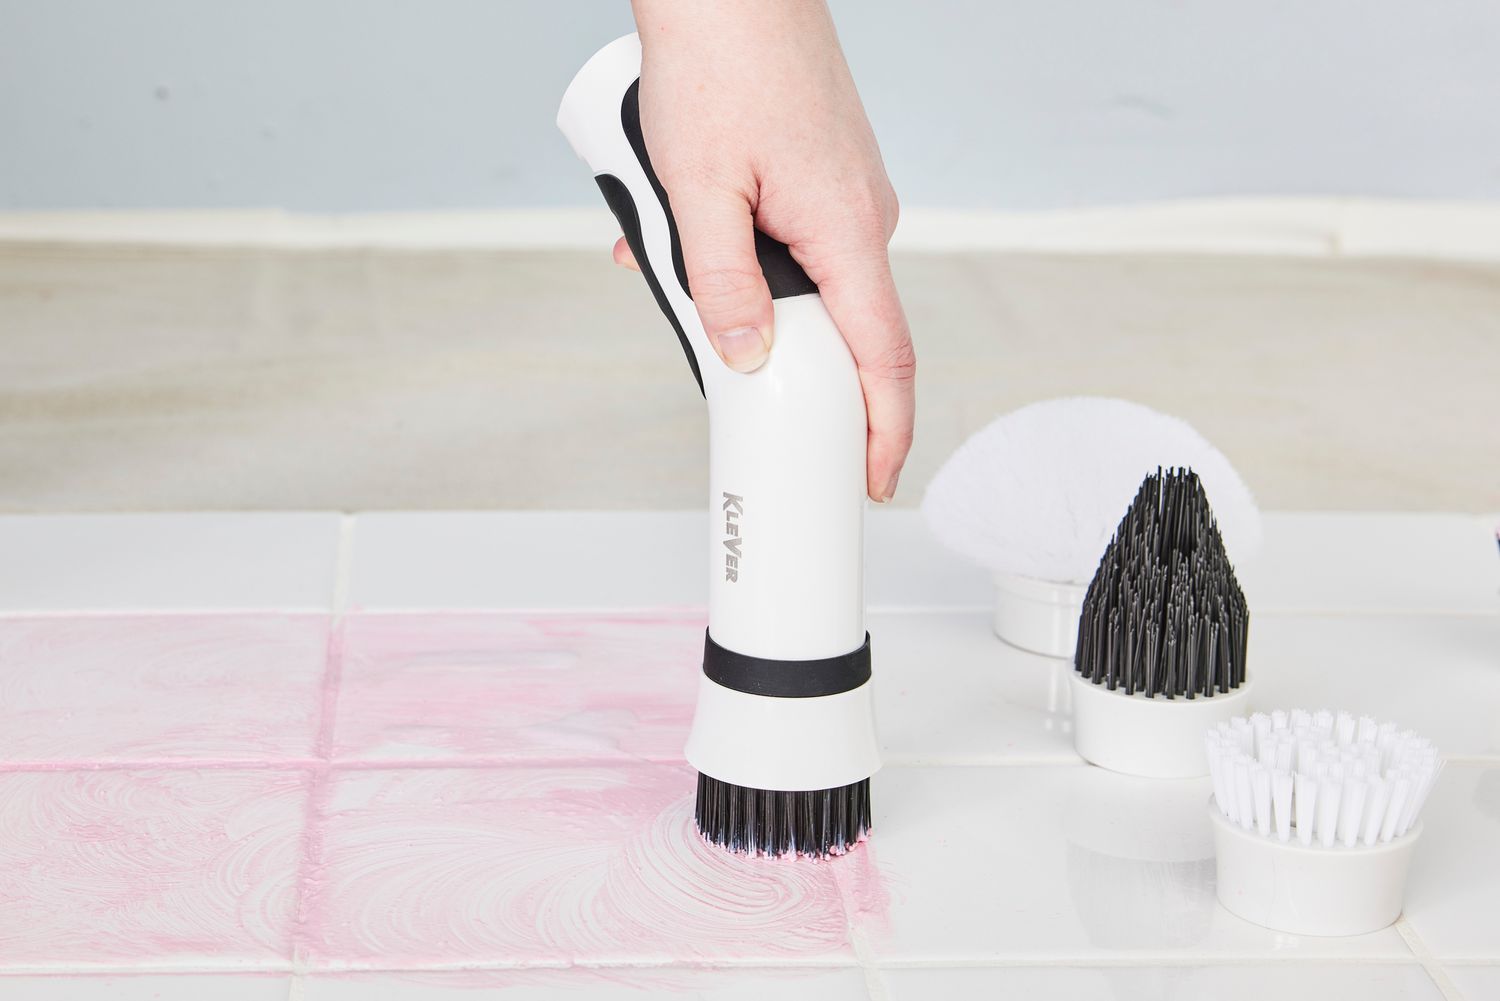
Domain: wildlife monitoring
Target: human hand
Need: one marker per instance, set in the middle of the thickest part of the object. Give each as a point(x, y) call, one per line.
point(753, 121)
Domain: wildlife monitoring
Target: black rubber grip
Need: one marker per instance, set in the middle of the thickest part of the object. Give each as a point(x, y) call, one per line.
point(784, 276)
point(786, 679)
point(617, 196)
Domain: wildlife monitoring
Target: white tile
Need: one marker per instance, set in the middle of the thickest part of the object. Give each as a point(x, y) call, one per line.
point(1061, 862)
point(1438, 675)
point(1478, 983)
point(1302, 982)
point(147, 987)
point(531, 559)
point(550, 560)
point(947, 690)
point(1338, 562)
point(167, 562)
point(600, 984)
point(1453, 891)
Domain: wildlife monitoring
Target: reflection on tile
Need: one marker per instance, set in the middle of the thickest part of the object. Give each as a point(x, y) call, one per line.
point(1061, 861)
point(1454, 884)
point(149, 868)
point(734, 984)
point(1369, 982)
point(586, 864)
point(1438, 675)
point(947, 690)
point(168, 562)
point(457, 560)
point(146, 987)
point(518, 686)
point(1366, 562)
point(1478, 983)
point(129, 688)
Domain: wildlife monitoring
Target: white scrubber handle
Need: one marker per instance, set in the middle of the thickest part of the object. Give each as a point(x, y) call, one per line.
point(786, 442)
point(784, 702)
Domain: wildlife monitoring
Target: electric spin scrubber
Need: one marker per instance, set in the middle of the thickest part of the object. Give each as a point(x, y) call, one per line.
point(783, 736)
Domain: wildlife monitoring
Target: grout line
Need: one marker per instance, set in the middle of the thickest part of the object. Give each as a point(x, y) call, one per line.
point(504, 965)
point(163, 765)
point(1429, 962)
point(1142, 961)
point(686, 612)
point(1084, 961)
point(320, 785)
point(81, 971)
point(318, 790)
point(471, 763)
point(875, 986)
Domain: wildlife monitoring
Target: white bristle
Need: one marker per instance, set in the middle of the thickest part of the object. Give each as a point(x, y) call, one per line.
point(1332, 778)
point(1039, 491)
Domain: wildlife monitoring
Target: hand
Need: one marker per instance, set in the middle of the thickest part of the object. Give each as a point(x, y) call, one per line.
point(752, 120)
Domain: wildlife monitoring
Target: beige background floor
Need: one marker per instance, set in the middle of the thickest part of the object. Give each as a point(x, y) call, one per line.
point(153, 379)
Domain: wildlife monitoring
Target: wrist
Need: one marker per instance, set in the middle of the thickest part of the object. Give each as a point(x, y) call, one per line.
point(701, 22)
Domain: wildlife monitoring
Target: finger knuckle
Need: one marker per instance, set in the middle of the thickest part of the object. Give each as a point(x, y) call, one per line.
point(724, 285)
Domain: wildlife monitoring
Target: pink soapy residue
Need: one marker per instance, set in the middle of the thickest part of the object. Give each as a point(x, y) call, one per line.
point(548, 865)
point(408, 792)
point(517, 687)
point(146, 866)
point(239, 688)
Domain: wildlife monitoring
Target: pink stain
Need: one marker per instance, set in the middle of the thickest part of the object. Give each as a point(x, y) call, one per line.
point(517, 687)
point(100, 867)
point(312, 799)
point(229, 688)
point(552, 865)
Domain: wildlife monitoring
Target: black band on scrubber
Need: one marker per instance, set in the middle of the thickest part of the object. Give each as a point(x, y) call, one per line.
point(786, 679)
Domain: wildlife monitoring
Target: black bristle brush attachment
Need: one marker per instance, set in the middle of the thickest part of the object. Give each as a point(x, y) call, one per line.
point(1163, 635)
point(763, 822)
point(783, 736)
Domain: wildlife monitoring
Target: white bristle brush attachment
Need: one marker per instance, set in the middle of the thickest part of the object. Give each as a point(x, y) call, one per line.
point(1034, 496)
point(1162, 637)
point(1316, 816)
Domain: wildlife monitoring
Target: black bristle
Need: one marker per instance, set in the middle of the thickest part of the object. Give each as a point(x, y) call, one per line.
point(766, 822)
point(1164, 615)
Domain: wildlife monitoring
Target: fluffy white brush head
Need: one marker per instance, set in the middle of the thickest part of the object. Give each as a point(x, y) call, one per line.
point(1039, 491)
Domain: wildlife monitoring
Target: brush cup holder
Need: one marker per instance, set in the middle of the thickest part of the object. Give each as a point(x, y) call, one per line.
point(1039, 616)
point(1156, 738)
point(1308, 889)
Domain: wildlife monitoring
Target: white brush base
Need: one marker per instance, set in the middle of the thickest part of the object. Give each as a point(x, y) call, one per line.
point(1155, 738)
point(1310, 890)
point(1039, 616)
point(791, 745)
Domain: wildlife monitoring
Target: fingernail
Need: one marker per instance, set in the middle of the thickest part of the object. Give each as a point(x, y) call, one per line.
point(743, 349)
point(890, 488)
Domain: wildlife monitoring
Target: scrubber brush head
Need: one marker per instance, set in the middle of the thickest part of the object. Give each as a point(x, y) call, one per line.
point(764, 822)
point(1162, 637)
point(1164, 615)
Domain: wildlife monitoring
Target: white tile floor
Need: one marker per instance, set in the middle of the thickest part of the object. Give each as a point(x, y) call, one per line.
point(399, 756)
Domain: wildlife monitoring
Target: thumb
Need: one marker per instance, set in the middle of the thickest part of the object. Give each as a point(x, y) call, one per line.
point(724, 276)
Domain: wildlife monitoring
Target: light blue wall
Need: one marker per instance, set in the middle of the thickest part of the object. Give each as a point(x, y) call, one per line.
point(427, 104)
